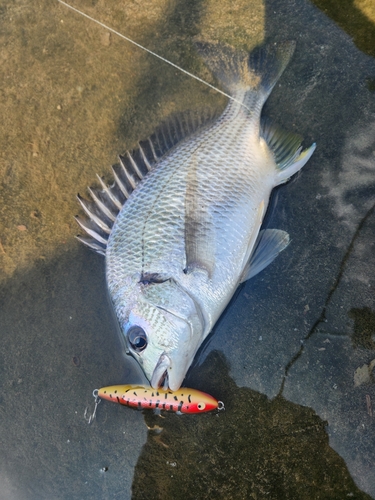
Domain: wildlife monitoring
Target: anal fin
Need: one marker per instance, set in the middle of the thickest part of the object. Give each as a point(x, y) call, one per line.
point(287, 150)
point(296, 165)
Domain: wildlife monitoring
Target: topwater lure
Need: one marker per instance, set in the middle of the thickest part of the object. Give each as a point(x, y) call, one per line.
point(184, 400)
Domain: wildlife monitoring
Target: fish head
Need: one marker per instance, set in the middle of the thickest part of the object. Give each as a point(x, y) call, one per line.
point(163, 329)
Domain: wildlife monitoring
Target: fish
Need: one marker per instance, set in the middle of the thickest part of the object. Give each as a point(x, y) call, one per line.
point(184, 400)
point(180, 228)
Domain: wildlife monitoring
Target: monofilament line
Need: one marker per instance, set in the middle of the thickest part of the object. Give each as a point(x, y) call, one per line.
point(150, 52)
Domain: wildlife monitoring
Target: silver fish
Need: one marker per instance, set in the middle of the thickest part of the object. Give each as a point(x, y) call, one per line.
point(180, 227)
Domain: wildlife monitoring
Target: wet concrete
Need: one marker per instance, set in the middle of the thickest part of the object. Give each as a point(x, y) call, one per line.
point(294, 344)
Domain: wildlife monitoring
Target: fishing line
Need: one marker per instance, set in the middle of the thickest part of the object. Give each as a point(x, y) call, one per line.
point(150, 52)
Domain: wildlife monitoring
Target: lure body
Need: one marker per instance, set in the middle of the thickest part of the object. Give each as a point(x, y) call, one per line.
point(183, 400)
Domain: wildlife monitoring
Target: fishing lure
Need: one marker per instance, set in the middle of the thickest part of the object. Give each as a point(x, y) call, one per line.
point(144, 397)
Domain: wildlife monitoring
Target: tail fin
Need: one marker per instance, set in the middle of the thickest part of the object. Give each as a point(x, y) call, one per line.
point(239, 71)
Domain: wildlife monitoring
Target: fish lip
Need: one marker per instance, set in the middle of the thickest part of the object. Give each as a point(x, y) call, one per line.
point(160, 371)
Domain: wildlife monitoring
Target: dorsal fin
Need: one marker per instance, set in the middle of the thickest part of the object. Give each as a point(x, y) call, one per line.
point(132, 168)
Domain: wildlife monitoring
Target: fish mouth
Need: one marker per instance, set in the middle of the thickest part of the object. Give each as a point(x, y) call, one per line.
point(160, 375)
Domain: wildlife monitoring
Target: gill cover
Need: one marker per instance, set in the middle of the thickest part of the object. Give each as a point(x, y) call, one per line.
point(163, 330)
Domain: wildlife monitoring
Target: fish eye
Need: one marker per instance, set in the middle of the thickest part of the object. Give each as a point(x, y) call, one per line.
point(137, 338)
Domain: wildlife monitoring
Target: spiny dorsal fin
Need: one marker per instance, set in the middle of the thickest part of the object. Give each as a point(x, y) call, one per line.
point(133, 167)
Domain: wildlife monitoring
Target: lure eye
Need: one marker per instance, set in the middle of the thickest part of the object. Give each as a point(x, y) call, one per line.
point(201, 406)
point(137, 338)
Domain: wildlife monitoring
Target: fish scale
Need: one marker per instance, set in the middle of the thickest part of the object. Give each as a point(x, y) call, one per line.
point(165, 191)
point(189, 231)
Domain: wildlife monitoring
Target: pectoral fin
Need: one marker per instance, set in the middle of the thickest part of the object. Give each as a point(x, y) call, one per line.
point(268, 246)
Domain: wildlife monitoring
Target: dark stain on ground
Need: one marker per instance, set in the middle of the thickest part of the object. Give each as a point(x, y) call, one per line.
point(370, 84)
point(256, 448)
point(364, 327)
point(352, 20)
point(364, 318)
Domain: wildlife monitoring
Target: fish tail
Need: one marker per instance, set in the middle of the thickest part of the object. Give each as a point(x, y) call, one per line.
point(247, 74)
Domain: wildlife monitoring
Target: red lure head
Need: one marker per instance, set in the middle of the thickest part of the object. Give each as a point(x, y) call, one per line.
point(197, 401)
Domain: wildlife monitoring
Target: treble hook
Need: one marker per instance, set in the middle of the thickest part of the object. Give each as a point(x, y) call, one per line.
point(89, 419)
